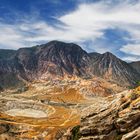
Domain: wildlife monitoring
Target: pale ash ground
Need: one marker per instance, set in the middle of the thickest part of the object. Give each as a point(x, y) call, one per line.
point(27, 113)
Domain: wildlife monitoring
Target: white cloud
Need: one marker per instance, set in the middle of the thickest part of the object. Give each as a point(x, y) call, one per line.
point(88, 15)
point(87, 22)
point(100, 16)
point(133, 49)
point(130, 58)
point(9, 37)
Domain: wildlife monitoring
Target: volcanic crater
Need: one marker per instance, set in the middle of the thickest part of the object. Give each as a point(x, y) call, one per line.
point(24, 109)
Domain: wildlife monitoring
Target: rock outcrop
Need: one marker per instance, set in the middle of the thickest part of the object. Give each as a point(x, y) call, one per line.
point(117, 119)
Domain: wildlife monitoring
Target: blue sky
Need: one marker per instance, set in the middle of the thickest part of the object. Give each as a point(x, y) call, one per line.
point(96, 25)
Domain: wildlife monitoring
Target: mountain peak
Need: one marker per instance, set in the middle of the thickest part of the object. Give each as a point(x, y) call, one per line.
point(57, 59)
point(55, 46)
point(109, 54)
point(112, 68)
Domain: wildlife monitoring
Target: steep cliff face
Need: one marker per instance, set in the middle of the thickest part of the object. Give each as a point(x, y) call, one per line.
point(56, 58)
point(49, 60)
point(59, 59)
point(114, 69)
point(105, 115)
point(119, 120)
point(62, 58)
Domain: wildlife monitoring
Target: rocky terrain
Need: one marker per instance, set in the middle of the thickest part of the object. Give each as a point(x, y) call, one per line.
point(58, 59)
point(44, 61)
point(136, 66)
point(112, 68)
point(58, 91)
point(112, 118)
point(46, 109)
point(70, 109)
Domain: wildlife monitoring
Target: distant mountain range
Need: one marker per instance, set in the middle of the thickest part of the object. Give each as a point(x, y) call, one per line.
point(59, 59)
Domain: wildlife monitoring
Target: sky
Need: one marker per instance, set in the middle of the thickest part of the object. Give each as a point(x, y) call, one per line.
point(95, 25)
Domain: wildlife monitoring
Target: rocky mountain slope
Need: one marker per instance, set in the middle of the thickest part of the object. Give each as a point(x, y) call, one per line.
point(54, 58)
point(136, 66)
point(69, 95)
point(114, 69)
point(112, 118)
point(45, 109)
point(58, 59)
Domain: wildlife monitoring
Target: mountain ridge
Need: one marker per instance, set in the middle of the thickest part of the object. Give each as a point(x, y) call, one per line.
point(110, 67)
point(57, 59)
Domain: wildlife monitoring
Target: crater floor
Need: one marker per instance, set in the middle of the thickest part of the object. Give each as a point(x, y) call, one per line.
point(47, 109)
point(27, 113)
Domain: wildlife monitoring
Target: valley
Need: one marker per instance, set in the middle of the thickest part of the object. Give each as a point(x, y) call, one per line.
point(47, 109)
point(58, 91)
